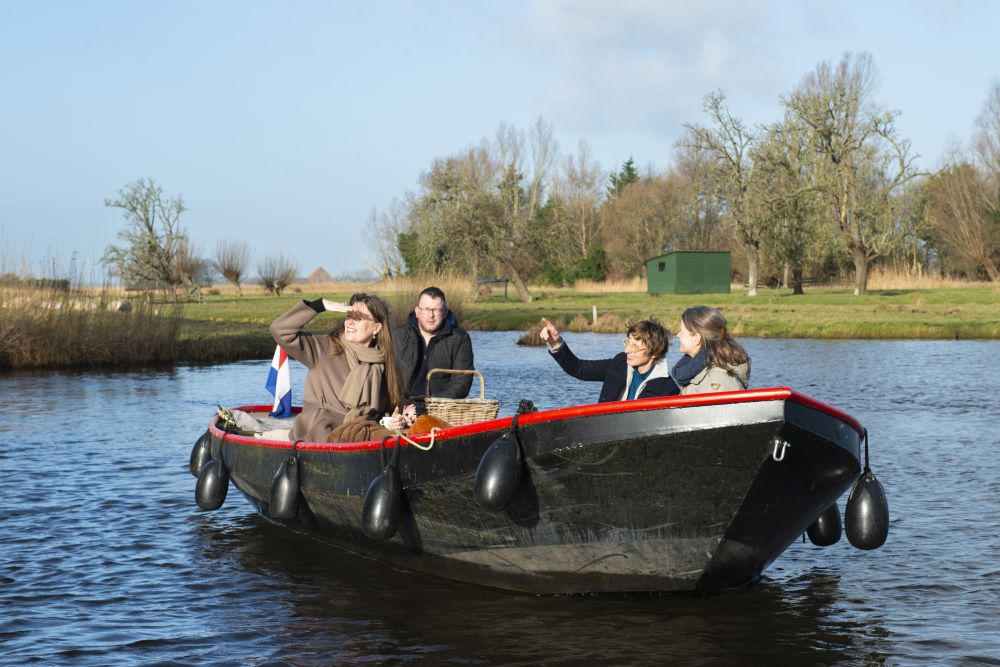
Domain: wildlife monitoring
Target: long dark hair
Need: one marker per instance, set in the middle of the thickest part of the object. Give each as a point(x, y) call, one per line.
point(720, 348)
point(382, 340)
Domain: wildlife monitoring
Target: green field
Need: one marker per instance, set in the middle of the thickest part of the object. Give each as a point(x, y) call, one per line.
point(224, 328)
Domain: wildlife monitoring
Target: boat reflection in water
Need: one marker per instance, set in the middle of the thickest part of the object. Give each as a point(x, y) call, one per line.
point(685, 493)
point(326, 606)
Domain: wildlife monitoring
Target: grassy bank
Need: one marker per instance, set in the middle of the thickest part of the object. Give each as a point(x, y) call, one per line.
point(47, 328)
point(226, 327)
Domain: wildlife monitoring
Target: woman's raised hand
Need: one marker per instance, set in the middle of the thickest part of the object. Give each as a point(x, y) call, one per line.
point(550, 334)
point(335, 306)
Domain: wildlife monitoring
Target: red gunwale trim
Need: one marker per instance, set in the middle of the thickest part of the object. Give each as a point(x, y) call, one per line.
point(716, 398)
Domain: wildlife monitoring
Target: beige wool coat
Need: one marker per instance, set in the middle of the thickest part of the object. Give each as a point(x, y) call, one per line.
point(713, 378)
point(322, 406)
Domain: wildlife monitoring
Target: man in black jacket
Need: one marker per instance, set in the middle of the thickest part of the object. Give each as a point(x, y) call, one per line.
point(431, 338)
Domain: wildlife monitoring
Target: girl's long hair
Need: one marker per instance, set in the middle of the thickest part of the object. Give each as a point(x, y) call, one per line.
point(383, 341)
point(720, 348)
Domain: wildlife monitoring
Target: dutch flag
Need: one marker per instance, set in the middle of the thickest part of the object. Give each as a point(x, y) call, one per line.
point(279, 383)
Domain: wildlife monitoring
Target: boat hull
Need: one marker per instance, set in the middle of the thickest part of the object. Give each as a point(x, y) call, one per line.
point(672, 494)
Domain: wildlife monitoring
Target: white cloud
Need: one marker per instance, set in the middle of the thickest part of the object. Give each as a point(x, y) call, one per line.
point(644, 64)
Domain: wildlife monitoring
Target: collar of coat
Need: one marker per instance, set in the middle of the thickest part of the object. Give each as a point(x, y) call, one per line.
point(659, 370)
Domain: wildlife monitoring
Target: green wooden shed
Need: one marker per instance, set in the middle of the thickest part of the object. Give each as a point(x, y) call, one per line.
point(688, 272)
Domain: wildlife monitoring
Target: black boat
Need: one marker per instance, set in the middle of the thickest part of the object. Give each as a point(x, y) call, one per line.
point(684, 493)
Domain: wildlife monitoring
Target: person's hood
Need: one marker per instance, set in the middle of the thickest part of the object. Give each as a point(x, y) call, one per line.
point(742, 372)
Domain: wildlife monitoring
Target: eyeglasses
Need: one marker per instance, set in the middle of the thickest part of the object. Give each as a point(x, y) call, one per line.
point(438, 311)
point(631, 345)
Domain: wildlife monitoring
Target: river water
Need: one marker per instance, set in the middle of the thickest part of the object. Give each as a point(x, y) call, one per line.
point(106, 560)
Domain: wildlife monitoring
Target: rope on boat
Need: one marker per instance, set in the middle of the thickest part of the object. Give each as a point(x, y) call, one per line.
point(425, 448)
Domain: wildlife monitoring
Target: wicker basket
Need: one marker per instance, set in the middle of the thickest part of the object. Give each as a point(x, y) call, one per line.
point(461, 411)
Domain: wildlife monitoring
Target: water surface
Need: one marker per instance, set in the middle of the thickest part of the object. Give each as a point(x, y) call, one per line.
point(106, 560)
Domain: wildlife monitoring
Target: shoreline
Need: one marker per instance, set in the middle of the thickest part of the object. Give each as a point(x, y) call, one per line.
point(230, 328)
point(78, 329)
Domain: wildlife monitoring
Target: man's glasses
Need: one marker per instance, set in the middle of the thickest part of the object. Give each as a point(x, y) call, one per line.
point(438, 311)
point(632, 345)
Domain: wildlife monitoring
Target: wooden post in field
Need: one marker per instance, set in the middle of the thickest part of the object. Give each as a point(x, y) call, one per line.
point(594, 323)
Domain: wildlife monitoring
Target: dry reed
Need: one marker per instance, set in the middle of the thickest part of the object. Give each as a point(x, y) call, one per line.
point(77, 327)
point(887, 279)
point(636, 284)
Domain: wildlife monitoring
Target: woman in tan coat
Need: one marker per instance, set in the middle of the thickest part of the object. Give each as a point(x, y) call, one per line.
point(352, 369)
point(711, 360)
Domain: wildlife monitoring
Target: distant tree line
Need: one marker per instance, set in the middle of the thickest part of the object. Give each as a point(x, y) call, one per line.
point(826, 191)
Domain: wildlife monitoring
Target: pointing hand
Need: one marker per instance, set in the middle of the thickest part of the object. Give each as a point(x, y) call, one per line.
point(550, 334)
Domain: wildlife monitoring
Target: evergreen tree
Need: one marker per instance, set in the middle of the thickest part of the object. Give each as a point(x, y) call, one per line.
point(623, 178)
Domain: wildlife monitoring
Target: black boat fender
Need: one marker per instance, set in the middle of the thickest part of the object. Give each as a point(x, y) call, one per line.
point(499, 471)
point(212, 486)
point(200, 453)
point(283, 502)
point(382, 508)
point(867, 514)
point(826, 529)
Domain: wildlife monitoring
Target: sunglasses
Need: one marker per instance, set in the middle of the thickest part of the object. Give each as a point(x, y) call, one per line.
point(355, 314)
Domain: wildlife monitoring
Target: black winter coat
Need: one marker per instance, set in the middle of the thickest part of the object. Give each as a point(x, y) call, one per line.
point(614, 373)
point(450, 348)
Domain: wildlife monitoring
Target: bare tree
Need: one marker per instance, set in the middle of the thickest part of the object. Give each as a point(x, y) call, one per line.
point(276, 273)
point(964, 207)
point(477, 208)
point(382, 233)
point(703, 207)
point(730, 142)
point(784, 195)
point(232, 258)
point(641, 221)
point(578, 188)
point(964, 216)
point(987, 137)
point(519, 196)
point(189, 265)
point(434, 238)
point(862, 159)
point(152, 237)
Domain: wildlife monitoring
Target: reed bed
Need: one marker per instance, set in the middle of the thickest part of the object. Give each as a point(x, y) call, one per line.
point(887, 279)
point(636, 284)
point(77, 327)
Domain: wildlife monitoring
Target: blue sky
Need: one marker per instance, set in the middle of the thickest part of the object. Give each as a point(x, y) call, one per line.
point(285, 123)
